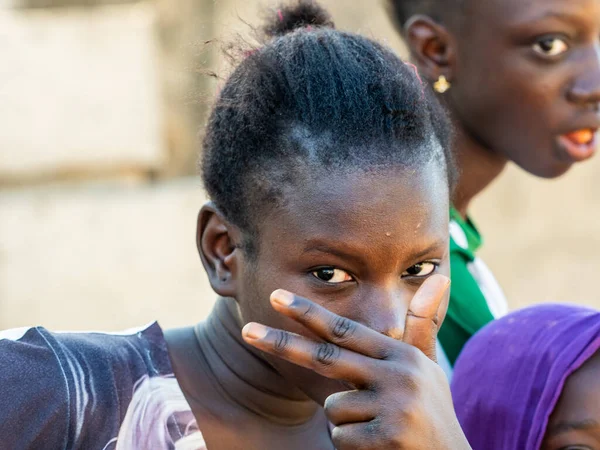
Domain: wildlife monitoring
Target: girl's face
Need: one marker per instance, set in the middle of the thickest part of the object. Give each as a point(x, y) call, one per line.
point(526, 80)
point(360, 244)
point(575, 422)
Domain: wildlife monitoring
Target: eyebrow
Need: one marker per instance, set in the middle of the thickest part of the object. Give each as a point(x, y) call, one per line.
point(563, 427)
point(563, 17)
point(317, 246)
point(434, 246)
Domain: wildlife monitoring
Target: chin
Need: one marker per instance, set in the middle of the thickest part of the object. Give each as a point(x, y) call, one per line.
point(549, 171)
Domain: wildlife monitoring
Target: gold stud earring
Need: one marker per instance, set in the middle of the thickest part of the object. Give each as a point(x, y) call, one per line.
point(441, 85)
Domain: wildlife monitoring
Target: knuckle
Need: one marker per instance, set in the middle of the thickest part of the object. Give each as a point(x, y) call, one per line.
point(342, 328)
point(343, 441)
point(308, 312)
point(326, 354)
point(412, 355)
point(373, 428)
point(387, 352)
point(410, 380)
point(281, 342)
point(391, 438)
point(332, 402)
point(409, 415)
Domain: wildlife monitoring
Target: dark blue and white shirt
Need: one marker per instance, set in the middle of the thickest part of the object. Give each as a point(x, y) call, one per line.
point(105, 391)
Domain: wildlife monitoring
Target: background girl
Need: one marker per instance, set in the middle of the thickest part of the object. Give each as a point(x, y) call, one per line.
point(530, 381)
point(522, 82)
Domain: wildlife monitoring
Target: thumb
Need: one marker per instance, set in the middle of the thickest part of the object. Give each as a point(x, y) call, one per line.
point(425, 314)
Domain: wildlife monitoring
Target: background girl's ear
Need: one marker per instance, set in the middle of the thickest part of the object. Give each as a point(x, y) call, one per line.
point(431, 47)
point(216, 242)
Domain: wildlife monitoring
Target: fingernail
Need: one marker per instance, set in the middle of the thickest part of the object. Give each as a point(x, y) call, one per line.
point(254, 331)
point(282, 298)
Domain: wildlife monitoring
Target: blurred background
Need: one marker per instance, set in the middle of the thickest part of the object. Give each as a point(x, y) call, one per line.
point(102, 104)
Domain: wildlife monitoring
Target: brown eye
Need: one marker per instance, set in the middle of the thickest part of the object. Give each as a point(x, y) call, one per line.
point(551, 47)
point(420, 270)
point(332, 275)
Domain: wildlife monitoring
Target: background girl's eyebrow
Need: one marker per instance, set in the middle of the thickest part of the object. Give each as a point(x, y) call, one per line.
point(565, 426)
point(564, 16)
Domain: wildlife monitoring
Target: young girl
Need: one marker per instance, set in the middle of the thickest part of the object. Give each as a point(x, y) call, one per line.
point(531, 381)
point(326, 167)
point(522, 82)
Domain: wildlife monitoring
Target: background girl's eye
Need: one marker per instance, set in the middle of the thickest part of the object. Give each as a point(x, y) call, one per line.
point(420, 270)
point(332, 275)
point(551, 46)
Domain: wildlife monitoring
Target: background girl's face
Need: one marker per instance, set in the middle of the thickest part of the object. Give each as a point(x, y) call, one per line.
point(575, 422)
point(358, 243)
point(527, 75)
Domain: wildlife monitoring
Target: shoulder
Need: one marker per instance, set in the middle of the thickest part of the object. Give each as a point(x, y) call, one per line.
point(142, 348)
point(74, 386)
point(27, 353)
point(33, 390)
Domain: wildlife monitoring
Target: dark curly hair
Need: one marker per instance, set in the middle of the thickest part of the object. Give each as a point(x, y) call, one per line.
point(402, 10)
point(310, 99)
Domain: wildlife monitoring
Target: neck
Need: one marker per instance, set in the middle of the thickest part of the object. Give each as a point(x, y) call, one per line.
point(246, 379)
point(478, 167)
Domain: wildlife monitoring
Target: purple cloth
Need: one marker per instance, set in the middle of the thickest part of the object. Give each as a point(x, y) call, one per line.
point(509, 376)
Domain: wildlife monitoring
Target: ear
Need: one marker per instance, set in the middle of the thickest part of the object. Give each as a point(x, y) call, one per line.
point(216, 241)
point(431, 47)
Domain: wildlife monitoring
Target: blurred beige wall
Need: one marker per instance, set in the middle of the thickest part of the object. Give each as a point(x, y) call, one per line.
point(97, 195)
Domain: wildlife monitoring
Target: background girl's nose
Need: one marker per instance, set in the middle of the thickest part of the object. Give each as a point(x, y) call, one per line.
point(586, 89)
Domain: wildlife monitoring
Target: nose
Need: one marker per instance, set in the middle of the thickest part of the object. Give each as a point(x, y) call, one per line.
point(385, 310)
point(586, 88)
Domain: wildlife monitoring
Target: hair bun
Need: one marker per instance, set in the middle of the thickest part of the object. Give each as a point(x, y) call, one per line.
point(300, 14)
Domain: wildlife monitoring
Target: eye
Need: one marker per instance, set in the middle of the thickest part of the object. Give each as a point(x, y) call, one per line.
point(576, 447)
point(551, 46)
point(421, 270)
point(332, 275)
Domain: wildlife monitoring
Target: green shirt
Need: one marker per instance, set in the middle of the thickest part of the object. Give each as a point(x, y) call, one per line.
point(475, 296)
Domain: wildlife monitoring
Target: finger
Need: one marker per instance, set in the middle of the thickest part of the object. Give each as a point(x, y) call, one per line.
point(329, 326)
point(350, 406)
point(423, 318)
point(324, 358)
point(352, 436)
point(443, 309)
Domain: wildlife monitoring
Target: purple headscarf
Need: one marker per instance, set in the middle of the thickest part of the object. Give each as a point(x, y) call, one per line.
point(509, 376)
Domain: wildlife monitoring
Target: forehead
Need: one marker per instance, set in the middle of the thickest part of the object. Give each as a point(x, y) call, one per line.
point(525, 11)
point(580, 398)
point(365, 209)
point(584, 381)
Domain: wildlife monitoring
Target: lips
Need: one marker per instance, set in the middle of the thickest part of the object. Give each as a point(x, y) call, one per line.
point(579, 145)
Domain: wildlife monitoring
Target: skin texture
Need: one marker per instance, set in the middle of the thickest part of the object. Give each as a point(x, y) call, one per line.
point(511, 98)
point(575, 422)
point(343, 346)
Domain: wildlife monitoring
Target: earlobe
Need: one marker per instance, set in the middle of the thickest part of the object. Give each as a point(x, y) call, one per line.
point(431, 47)
point(215, 239)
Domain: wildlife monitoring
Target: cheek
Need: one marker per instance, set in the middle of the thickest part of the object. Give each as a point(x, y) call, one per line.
point(508, 91)
point(255, 301)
